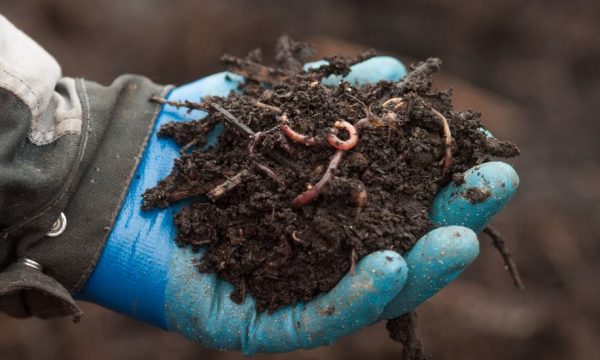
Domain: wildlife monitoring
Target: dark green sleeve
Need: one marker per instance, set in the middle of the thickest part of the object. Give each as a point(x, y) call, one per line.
point(68, 150)
point(82, 175)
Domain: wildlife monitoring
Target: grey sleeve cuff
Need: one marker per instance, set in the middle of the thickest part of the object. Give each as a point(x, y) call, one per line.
point(67, 146)
point(117, 123)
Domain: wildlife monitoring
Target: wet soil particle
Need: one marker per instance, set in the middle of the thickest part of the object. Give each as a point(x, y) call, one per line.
point(307, 179)
point(477, 195)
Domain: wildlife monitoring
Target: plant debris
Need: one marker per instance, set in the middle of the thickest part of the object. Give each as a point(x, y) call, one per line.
point(307, 179)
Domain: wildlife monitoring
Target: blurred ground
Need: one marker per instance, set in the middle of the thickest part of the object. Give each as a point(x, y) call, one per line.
point(539, 58)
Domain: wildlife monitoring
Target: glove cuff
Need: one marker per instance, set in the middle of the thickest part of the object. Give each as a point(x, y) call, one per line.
point(117, 121)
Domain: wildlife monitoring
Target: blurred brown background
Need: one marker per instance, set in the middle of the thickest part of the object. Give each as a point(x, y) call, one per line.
point(531, 67)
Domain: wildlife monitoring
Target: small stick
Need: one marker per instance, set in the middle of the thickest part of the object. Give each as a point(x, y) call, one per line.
point(447, 160)
point(233, 120)
point(270, 173)
point(339, 144)
point(500, 245)
point(188, 145)
point(297, 238)
point(186, 103)
point(353, 259)
point(197, 106)
point(267, 106)
point(253, 70)
point(397, 102)
point(405, 329)
point(227, 185)
point(293, 135)
point(310, 194)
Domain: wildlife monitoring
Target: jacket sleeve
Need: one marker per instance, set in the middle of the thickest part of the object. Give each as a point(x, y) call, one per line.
point(68, 150)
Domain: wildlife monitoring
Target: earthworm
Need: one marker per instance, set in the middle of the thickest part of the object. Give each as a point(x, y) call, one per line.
point(447, 159)
point(339, 144)
point(293, 135)
point(312, 192)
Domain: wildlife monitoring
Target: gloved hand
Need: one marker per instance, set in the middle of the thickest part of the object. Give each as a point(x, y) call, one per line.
point(143, 274)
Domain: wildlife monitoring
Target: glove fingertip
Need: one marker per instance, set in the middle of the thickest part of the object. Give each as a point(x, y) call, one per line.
point(435, 260)
point(387, 270)
point(452, 247)
point(378, 68)
point(486, 189)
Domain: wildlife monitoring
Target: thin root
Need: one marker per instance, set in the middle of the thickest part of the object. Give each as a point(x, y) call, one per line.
point(293, 135)
point(297, 238)
point(339, 144)
point(353, 260)
point(396, 102)
point(447, 159)
point(187, 146)
point(227, 185)
point(500, 245)
point(267, 106)
point(270, 173)
point(309, 195)
point(186, 103)
point(233, 120)
point(405, 329)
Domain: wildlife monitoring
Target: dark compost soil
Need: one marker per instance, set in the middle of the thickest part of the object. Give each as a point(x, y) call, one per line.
point(289, 201)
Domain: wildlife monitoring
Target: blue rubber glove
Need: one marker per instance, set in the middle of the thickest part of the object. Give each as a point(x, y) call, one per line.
point(143, 274)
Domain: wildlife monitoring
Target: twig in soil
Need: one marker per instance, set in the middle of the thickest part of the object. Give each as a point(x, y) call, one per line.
point(186, 103)
point(185, 147)
point(257, 138)
point(366, 108)
point(233, 120)
point(314, 191)
point(227, 185)
point(369, 118)
point(293, 135)
point(270, 173)
point(500, 245)
point(253, 70)
point(198, 106)
point(267, 106)
point(405, 330)
point(447, 159)
point(297, 238)
point(353, 259)
point(339, 144)
point(397, 102)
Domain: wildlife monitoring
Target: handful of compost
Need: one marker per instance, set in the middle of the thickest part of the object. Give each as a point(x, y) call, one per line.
point(308, 177)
